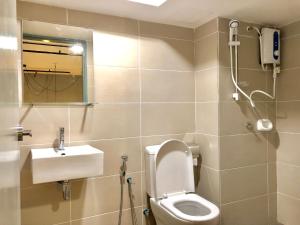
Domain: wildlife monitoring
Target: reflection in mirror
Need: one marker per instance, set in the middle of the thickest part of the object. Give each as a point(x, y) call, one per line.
point(55, 62)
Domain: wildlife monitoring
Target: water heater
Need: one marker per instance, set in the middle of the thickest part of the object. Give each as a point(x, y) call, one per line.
point(270, 46)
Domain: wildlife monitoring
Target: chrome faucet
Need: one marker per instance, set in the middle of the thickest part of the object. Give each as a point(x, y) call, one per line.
point(61, 138)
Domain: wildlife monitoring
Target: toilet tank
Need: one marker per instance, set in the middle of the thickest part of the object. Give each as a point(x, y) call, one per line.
point(150, 155)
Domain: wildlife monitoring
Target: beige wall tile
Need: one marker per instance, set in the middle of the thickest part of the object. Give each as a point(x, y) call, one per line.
point(104, 121)
point(249, 212)
point(167, 86)
point(273, 209)
point(102, 22)
point(288, 210)
point(166, 54)
point(242, 183)
point(117, 84)
point(290, 51)
point(44, 122)
point(242, 150)
point(209, 148)
point(163, 30)
point(167, 118)
point(288, 149)
point(206, 52)
point(43, 204)
point(43, 13)
point(115, 50)
point(114, 149)
point(110, 218)
point(272, 178)
point(288, 179)
point(249, 80)
point(102, 195)
point(209, 184)
point(273, 143)
point(288, 119)
point(207, 85)
point(290, 29)
point(206, 29)
point(235, 115)
point(207, 118)
point(288, 85)
point(248, 52)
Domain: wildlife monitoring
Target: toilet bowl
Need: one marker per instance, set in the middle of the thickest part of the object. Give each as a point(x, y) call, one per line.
point(170, 185)
point(185, 209)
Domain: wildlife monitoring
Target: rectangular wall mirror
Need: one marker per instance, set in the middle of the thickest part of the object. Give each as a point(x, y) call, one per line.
point(57, 63)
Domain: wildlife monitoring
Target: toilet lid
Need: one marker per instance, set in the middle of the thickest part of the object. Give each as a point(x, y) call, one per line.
point(174, 169)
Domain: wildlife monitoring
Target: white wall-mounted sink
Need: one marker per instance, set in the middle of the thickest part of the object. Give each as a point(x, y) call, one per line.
point(49, 164)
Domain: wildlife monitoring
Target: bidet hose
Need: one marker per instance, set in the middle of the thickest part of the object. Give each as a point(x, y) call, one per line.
point(133, 215)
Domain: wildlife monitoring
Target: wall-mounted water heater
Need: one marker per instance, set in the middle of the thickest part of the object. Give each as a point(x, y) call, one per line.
point(270, 46)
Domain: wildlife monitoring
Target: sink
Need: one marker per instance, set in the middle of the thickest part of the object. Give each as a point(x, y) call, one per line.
point(49, 164)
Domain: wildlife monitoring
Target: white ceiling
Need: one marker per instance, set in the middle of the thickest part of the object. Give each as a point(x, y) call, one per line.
point(191, 13)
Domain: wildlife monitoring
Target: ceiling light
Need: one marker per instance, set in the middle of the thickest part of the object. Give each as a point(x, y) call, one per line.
point(156, 3)
point(47, 41)
point(76, 49)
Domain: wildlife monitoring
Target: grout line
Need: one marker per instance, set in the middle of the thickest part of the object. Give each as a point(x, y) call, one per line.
point(245, 167)
point(288, 196)
point(245, 199)
point(287, 164)
point(165, 37)
point(205, 36)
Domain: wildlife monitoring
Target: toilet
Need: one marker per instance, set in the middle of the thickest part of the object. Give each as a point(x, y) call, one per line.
point(170, 185)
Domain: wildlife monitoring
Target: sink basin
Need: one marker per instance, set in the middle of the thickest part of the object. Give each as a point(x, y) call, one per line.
point(49, 164)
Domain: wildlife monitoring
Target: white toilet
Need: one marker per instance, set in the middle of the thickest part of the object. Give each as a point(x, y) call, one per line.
point(170, 185)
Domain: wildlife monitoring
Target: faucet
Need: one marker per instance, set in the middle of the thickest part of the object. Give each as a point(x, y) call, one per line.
point(61, 138)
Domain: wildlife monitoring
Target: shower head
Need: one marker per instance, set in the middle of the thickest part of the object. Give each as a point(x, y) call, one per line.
point(234, 23)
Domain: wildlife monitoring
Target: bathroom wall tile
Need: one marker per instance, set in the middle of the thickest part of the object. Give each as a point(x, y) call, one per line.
point(43, 13)
point(209, 148)
point(44, 204)
point(287, 85)
point(290, 49)
point(234, 117)
point(117, 84)
point(248, 80)
point(242, 150)
point(102, 22)
point(115, 50)
point(272, 178)
point(273, 209)
point(104, 121)
point(249, 212)
point(113, 150)
point(207, 118)
point(162, 30)
point(166, 54)
point(206, 29)
point(102, 195)
point(288, 149)
point(170, 86)
point(167, 118)
point(206, 52)
point(290, 29)
point(209, 184)
point(288, 179)
point(207, 85)
point(288, 210)
point(248, 52)
point(288, 119)
point(242, 183)
point(110, 218)
point(273, 144)
point(44, 122)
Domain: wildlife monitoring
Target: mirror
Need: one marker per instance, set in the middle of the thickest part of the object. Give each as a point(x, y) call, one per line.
point(56, 63)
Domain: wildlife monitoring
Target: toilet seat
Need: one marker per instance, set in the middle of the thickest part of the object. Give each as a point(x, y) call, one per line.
point(190, 207)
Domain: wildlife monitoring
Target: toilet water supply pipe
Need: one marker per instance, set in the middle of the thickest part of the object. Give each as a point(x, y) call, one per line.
point(233, 42)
